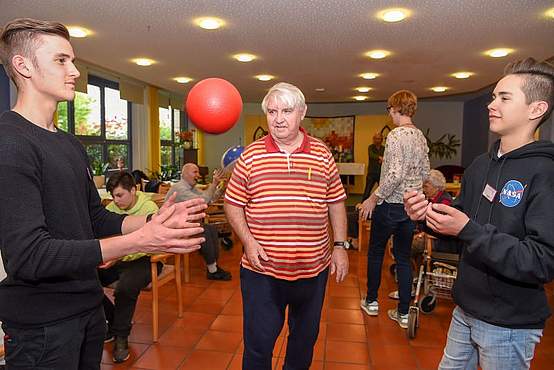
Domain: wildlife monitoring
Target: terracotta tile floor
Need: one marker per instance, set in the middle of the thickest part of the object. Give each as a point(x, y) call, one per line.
point(209, 335)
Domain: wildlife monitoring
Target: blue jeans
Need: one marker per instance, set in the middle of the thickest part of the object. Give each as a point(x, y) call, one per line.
point(472, 342)
point(390, 219)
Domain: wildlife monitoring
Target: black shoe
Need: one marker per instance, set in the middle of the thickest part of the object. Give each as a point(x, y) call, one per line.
point(109, 337)
point(120, 350)
point(220, 274)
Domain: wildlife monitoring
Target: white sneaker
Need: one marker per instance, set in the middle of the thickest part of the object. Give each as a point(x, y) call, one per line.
point(402, 320)
point(372, 308)
point(394, 295)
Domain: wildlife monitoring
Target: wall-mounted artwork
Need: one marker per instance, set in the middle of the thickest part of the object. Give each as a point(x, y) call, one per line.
point(336, 132)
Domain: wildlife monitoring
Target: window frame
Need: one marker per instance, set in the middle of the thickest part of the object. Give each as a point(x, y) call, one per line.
point(102, 84)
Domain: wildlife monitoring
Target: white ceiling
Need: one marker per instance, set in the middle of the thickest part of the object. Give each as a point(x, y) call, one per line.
point(310, 43)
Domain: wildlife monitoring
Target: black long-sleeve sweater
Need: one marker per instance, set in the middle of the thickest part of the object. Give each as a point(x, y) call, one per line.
point(50, 215)
point(508, 251)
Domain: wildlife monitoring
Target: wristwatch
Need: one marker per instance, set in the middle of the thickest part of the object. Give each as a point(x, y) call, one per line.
point(345, 244)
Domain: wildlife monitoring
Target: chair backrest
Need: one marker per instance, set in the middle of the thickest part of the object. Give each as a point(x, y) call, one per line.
point(163, 188)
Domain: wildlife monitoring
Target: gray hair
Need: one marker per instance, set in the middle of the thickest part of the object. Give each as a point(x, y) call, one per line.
point(437, 180)
point(287, 94)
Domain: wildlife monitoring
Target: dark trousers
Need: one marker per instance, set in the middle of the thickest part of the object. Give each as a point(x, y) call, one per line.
point(131, 277)
point(70, 344)
point(370, 180)
point(390, 219)
point(210, 248)
point(265, 300)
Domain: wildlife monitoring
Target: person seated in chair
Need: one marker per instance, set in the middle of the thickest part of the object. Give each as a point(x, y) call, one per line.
point(131, 272)
point(186, 189)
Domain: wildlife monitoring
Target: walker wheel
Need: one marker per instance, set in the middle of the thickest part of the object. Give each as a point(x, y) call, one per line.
point(412, 324)
point(427, 304)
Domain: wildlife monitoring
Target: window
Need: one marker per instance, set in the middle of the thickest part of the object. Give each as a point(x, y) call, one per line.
point(170, 125)
point(101, 120)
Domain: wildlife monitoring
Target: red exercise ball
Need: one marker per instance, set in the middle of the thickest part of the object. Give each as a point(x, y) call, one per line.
point(214, 105)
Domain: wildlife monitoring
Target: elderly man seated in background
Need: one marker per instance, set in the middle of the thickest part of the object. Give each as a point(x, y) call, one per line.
point(186, 189)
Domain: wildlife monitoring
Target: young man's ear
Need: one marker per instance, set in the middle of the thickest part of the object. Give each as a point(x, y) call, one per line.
point(537, 109)
point(21, 66)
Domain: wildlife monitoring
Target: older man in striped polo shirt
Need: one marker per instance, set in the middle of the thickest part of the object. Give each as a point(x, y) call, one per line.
point(284, 189)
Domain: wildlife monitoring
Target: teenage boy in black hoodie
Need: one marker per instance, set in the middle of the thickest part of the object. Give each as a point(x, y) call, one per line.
point(51, 218)
point(504, 215)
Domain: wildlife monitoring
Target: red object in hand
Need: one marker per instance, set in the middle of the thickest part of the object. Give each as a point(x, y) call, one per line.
point(214, 105)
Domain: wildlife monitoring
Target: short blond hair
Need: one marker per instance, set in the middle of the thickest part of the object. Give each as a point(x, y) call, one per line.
point(404, 101)
point(21, 37)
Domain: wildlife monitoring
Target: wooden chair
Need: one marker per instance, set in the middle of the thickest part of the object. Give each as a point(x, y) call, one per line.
point(164, 188)
point(169, 273)
point(364, 228)
point(2, 351)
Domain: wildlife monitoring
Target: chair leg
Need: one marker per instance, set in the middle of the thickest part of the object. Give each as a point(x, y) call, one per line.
point(178, 285)
point(186, 259)
point(360, 235)
point(155, 299)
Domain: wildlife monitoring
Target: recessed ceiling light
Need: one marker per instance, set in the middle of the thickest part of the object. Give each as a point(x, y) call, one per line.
point(362, 89)
point(209, 23)
point(78, 32)
point(244, 57)
point(394, 15)
point(498, 53)
point(378, 54)
point(144, 62)
point(320, 89)
point(369, 76)
point(265, 77)
point(359, 97)
point(183, 80)
point(550, 13)
point(462, 75)
point(439, 89)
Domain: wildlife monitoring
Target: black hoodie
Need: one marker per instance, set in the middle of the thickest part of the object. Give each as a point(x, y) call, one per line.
point(508, 249)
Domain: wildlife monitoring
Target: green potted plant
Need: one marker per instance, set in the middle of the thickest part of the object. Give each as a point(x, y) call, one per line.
point(443, 148)
point(98, 171)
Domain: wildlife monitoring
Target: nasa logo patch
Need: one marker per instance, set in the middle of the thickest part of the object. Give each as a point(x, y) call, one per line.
point(511, 193)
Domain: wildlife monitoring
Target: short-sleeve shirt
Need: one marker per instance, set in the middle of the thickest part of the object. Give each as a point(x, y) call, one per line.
point(285, 197)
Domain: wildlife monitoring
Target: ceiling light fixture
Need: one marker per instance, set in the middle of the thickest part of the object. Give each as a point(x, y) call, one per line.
point(359, 97)
point(78, 32)
point(498, 53)
point(143, 62)
point(244, 57)
point(320, 89)
point(439, 89)
point(378, 54)
point(362, 89)
point(369, 76)
point(462, 75)
point(209, 23)
point(265, 77)
point(394, 15)
point(183, 80)
point(550, 13)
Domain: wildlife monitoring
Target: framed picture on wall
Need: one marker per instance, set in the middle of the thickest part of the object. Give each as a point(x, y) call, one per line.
point(336, 132)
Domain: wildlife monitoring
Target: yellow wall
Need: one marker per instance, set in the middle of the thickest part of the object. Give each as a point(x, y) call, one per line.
point(154, 129)
point(364, 129)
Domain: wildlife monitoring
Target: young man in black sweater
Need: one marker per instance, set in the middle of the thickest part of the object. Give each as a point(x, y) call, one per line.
point(504, 217)
point(53, 229)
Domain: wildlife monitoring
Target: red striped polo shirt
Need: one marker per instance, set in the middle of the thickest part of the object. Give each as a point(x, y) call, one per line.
point(285, 197)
